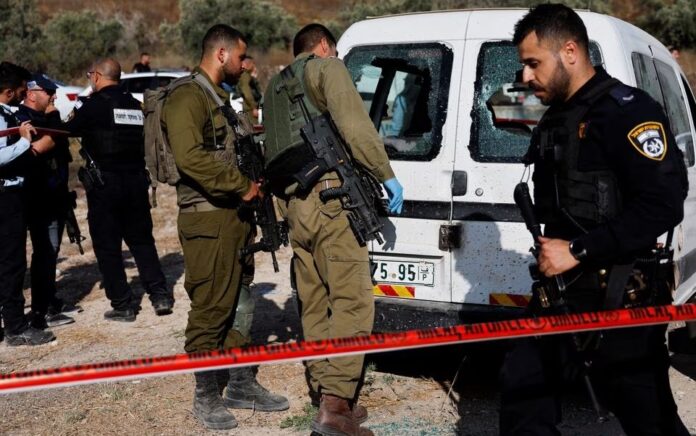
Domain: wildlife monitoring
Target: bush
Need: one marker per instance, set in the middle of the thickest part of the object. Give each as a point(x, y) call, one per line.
point(672, 24)
point(361, 9)
point(73, 40)
point(266, 25)
point(19, 32)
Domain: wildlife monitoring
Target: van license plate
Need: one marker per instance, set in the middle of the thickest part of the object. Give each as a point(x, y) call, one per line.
point(412, 273)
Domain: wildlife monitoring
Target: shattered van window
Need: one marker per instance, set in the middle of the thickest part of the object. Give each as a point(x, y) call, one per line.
point(405, 89)
point(505, 110)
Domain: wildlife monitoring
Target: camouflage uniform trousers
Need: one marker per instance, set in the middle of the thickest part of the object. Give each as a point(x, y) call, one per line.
point(211, 242)
point(334, 286)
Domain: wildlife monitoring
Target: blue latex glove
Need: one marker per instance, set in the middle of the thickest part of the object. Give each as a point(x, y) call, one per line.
point(396, 195)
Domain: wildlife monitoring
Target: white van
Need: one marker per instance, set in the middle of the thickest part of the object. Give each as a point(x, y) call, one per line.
point(439, 86)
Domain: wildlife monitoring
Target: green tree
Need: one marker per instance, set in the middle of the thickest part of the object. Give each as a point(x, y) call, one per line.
point(361, 9)
point(19, 31)
point(73, 40)
point(265, 24)
point(673, 24)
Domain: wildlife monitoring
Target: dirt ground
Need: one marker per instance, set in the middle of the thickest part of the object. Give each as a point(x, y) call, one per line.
point(407, 394)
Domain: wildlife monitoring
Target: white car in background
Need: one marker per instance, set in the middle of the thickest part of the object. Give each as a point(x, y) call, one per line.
point(137, 83)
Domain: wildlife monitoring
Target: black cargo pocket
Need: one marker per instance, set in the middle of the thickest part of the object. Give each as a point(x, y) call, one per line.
point(200, 244)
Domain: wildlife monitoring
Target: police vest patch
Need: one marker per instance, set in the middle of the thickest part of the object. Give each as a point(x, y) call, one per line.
point(131, 117)
point(649, 139)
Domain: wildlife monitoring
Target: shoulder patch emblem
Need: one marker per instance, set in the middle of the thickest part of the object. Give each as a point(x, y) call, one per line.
point(649, 139)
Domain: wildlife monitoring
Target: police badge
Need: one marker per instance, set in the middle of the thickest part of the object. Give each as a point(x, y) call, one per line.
point(649, 139)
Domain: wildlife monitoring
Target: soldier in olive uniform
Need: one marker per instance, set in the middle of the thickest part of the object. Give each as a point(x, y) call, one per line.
point(331, 268)
point(250, 90)
point(211, 231)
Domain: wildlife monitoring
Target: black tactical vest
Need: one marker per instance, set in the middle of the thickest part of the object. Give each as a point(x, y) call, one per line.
point(119, 141)
point(563, 193)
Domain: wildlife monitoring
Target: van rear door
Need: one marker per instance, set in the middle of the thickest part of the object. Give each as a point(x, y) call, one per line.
point(406, 89)
point(492, 265)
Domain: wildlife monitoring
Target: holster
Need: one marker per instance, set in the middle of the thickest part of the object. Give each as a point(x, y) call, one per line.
point(89, 180)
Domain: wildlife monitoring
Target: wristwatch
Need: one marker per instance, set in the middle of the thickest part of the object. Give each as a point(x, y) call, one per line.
point(577, 250)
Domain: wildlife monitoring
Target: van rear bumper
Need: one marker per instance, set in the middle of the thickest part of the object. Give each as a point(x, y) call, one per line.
point(396, 314)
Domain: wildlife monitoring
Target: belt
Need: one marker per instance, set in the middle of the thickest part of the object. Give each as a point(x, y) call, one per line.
point(198, 207)
point(323, 185)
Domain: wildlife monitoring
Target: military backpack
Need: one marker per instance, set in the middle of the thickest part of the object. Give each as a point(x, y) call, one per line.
point(158, 152)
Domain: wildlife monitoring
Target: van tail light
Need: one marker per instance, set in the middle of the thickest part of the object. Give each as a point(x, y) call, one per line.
point(71, 97)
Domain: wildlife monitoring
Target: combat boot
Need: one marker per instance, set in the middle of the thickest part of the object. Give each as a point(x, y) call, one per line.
point(30, 336)
point(163, 306)
point(359, 412)
point(335, 418)
point(125, 315)
point(222, 376)
point(207, 404)
point(244, 392)
point(54, 318)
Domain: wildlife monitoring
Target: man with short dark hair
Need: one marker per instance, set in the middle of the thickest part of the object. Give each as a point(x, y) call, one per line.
point(47, 193)
point(331, 267)
point(110, 123)
point(609, 179)
point(310, 36)
point(202, 130)
point(250, 90)
point(17, 155)
point(144, 65)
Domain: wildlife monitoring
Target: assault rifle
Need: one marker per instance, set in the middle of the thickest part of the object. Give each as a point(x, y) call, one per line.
point(71, 226)
point(274, 233)
point(551, 292)
point(360, 193)
point(90, 175)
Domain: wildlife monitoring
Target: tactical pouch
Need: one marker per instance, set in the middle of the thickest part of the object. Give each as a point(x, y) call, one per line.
point(653, 279)
point(89, 180)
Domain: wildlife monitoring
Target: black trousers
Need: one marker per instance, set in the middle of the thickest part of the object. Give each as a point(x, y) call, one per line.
point(46, 225)
point(13, 263)
point(120, 211)
point(629, 374)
